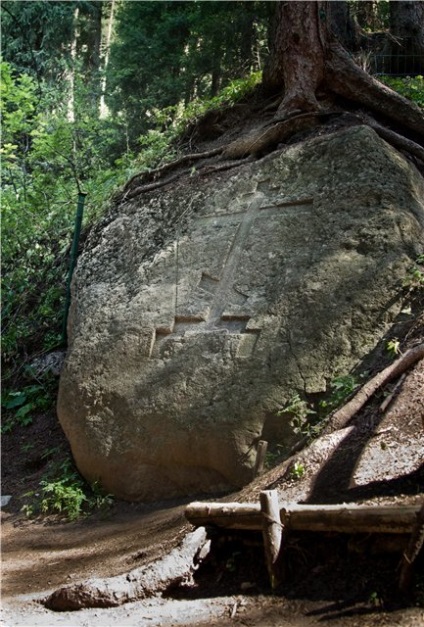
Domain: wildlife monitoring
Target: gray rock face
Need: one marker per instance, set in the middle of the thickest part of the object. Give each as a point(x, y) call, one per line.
point(198, 311)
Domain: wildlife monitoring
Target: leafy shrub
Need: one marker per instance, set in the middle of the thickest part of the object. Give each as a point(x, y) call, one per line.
point(340, 388)
point(412, 87)
point(63, 491)
point(300, 411)
point(21, 405)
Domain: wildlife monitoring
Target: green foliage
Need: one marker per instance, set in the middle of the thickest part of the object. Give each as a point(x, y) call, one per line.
point(393, 347)
point(235, 91)
point(168, 54)
point(340, 388)
point(300, 411)
point(45, 160)
point(414, 279)
point(34, 32)
point(20, 406)
point(297, 471)
point(412, 87)
point(63, 491)
point(307, 421)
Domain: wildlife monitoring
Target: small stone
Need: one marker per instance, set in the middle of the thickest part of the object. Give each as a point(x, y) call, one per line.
point(247, 585)
point(5, 499)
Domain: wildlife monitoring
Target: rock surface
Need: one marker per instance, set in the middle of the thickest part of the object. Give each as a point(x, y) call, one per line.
point(199, 310)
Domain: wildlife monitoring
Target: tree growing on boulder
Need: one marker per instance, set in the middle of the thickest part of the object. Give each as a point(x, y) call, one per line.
point(312, 70)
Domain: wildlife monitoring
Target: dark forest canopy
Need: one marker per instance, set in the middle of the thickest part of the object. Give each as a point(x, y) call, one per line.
point(139, 57)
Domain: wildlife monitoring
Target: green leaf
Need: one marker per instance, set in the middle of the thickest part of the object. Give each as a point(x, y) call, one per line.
point(15, 399)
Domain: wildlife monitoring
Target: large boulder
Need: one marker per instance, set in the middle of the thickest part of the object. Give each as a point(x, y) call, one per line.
point(200, 309)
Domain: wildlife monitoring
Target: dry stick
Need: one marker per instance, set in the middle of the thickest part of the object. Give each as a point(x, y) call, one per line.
point(342, 416)
point(411, 553)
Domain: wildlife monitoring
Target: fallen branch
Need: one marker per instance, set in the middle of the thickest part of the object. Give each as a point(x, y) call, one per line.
point(140, 583)
point(343, 415)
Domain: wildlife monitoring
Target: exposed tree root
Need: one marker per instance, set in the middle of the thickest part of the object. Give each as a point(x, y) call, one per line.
point(396, 140)
point(347, 79)
point(141, 189)
point(227, 165)
point(343, 415)
point(184, 160)
point(140, 583)
point(263, 140)
point(209, 169)
point(259, 142)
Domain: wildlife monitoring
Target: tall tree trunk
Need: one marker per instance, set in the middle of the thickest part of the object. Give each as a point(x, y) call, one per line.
point(103, 112)
point(306, 58)
point(297, 57)
point(407, 28)
point(71, 71)
point(342, 25)
point(93, 37)
point(313, 70)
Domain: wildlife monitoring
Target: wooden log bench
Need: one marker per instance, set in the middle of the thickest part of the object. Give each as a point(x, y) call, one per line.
point(274, 519)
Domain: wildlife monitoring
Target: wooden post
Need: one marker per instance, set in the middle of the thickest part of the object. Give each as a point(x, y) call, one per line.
point(415, 545)
point(260, 457)
point(272, 533)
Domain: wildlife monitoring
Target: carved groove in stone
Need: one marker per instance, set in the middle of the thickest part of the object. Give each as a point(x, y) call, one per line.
point(220, 292)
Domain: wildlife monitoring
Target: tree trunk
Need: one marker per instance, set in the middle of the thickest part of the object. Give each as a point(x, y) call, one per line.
point(342, 26)
point(407, 29)
point(71, 72)
point(103, 113)
point(297, 59)
point(306, 61)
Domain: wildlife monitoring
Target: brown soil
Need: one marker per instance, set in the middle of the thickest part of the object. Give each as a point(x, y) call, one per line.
point(331, 579)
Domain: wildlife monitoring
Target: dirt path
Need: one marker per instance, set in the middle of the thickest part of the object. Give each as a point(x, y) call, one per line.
point(39, 557)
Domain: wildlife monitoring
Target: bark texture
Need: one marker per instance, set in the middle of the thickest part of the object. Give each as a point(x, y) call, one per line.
point(407, 29)
point(313, 68)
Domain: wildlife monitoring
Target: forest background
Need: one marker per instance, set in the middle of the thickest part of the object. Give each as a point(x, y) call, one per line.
point(96, 91)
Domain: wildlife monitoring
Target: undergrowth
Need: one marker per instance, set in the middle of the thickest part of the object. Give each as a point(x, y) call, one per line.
point(63, 492)
point(412, 87)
